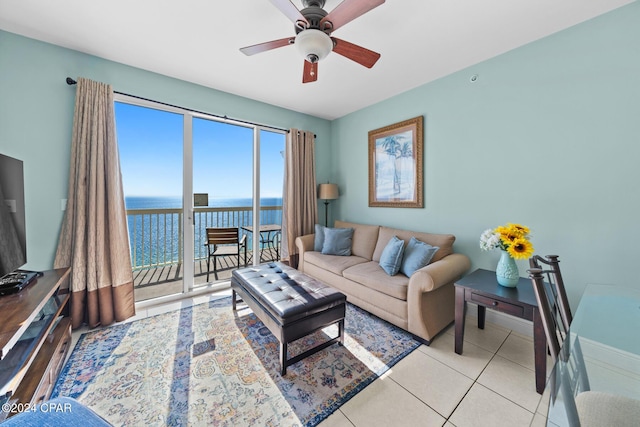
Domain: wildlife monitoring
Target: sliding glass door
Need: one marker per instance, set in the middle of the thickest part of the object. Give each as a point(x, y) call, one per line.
point(184, 172)
point(150, 141)
point(271, 187)
point(223, 193)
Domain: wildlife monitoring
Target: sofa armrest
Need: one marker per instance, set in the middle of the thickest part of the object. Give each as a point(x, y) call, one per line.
point(304, 244)
point(431, 296)
point(444, 271)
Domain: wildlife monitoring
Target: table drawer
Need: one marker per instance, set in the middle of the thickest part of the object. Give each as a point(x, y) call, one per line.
point(498, 305)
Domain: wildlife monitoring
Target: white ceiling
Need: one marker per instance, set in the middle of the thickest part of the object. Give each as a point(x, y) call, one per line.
point(198, 41)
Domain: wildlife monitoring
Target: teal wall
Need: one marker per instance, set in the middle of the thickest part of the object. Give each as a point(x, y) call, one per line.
point(549, 136)
point(36, 117)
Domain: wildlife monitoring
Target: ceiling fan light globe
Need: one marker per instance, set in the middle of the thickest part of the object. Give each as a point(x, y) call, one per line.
point(313, 44)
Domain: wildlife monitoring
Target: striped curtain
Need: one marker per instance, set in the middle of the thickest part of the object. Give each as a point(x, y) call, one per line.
point(93, 238)
point(299, 202)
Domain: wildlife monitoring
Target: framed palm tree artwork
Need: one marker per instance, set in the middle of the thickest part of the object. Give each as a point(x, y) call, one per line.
point(395, 165)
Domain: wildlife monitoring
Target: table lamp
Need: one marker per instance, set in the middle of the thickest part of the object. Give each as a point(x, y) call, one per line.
point(327, 192)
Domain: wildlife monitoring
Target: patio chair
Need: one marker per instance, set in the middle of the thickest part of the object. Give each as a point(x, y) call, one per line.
point(224, 241)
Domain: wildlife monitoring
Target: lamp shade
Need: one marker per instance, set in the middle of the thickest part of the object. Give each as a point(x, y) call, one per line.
point(328, 191)
point(313, 44)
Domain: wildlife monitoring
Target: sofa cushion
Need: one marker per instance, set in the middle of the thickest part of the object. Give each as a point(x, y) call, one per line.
point(391, 257)
point(364, 239)
point(371, 275)
point(333, 263)
point(416, 255)
point(337, 241)
point(443, 241)
point(318, 239)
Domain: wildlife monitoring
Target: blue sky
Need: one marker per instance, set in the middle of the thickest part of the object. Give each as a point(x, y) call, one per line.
point(150, 144)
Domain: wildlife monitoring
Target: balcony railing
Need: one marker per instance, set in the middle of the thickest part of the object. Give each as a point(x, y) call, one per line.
point(155, 235)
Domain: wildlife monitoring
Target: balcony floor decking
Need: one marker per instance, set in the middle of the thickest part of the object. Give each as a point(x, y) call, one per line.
point(167, 280)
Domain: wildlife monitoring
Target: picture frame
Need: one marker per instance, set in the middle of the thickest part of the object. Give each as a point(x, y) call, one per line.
point(395, 165)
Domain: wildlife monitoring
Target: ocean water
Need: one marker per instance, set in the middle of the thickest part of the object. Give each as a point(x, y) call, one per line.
point(156, 237)
point(143, 202)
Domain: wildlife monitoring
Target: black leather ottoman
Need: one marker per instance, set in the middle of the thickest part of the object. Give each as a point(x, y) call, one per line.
point(291, 304)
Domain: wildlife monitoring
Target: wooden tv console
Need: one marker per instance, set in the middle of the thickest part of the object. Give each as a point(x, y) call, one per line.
point(35, 337)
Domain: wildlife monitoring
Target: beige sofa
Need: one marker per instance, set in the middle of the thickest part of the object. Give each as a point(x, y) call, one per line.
point(422, 304)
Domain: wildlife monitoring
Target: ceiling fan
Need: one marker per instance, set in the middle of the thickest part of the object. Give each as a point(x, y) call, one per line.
point(313, 26)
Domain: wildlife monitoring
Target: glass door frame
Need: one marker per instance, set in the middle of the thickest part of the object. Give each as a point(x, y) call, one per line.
point(188, 218)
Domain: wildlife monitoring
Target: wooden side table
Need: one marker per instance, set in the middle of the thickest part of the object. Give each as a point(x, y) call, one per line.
point(481, 287)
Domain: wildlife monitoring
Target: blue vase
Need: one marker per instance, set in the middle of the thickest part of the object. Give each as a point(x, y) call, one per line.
point(507, 271)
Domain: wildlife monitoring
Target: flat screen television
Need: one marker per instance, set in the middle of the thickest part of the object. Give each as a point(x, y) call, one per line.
point(13, 242)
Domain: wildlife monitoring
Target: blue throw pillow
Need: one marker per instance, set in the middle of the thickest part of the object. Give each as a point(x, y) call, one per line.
point(318, 240)
point(391, 257)
point(337, 241)
point(416, 255)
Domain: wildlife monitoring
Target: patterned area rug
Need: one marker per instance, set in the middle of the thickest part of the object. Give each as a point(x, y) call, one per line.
point(203, 365)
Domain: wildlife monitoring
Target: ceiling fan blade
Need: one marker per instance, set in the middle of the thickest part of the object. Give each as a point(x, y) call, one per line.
point(263, 47)
point(349, 10)
point(356, 53)
point(310, 73)
point(290, 10)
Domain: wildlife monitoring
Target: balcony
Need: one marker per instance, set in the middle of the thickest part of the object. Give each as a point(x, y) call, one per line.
point(156, 242)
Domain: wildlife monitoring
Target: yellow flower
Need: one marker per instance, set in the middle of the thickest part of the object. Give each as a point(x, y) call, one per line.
point(508, 238)
point(521, 230)
point(503, 229)
point(507, 235)
point(520, 248)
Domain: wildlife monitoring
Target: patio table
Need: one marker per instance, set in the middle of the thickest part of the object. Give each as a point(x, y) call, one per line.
point(267, 233)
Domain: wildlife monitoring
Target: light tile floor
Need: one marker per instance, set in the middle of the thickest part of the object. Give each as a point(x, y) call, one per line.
point(491, 384)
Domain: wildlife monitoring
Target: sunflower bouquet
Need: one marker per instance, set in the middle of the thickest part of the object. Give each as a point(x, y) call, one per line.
point(513, 238)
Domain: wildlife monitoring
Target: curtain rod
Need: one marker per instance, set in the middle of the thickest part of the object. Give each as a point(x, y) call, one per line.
point(72, 82)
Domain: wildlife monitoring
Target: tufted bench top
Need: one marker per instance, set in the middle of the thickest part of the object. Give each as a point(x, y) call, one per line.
point(285, 292)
